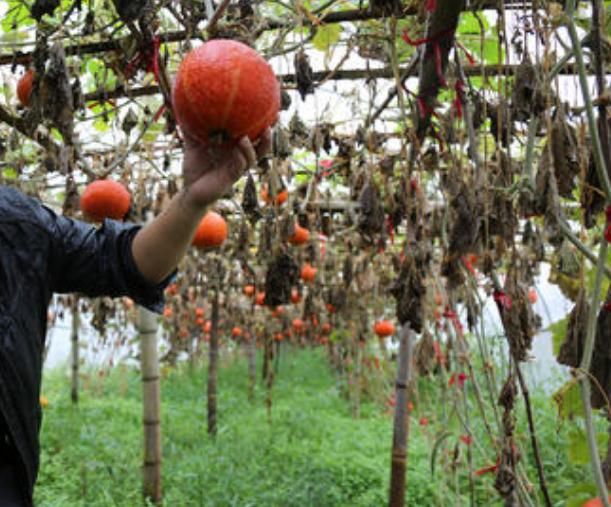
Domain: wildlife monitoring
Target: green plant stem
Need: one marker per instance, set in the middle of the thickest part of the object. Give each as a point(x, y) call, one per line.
point(603, 177)
point(570, 235)
point(599, 159)
point(586, 362)
point(530, 149)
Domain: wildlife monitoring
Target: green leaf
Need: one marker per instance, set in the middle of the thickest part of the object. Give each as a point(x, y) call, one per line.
point(101, 125)
point(17, 15)
point(10, 173)
point(577, 451)
point(558, 330)
point(326, 36)
point(568, 400)
point(470, 25)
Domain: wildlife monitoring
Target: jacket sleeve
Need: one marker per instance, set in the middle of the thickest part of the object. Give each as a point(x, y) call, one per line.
point(99, 261)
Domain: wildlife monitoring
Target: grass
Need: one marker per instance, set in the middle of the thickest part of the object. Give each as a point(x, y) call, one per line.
point(312, 454)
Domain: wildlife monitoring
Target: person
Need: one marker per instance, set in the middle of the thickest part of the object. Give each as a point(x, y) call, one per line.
point(42, 253)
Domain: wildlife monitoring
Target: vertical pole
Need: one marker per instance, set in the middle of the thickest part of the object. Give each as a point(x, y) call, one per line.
point(75, 349)
point(251, 351)
point(151, 405)
point(401, 421)
point(213, 364)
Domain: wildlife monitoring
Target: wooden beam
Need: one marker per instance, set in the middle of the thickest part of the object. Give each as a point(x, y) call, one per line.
point(338, 75)
point(24, 58)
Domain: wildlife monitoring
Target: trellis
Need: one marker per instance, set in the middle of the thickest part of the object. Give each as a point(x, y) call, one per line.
point(313, 21)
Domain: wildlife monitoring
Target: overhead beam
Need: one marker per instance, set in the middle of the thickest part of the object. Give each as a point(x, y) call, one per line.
point(337, 75)
point(25, 57)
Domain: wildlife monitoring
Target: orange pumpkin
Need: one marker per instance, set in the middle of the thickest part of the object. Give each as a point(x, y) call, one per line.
point(278, 311)
point(298, 325)
point(384, 328)
point(105, 199)
point(281, 197)
point(295, 296)
point(211, 231)
point(24, 87)
point(308, 273)
point(236, 332)
point(300, 235)
point(260, 298)
point(225, 90)
point(594, 502)
point(248, 290)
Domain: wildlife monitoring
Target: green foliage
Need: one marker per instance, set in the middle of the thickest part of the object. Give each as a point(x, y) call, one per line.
point(479, 38)
point(558, 330)
point(568, 400)
point(312, 454)
point(17, 15)
point(326, 36)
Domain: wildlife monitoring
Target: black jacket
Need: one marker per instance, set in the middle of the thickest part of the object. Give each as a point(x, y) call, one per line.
point(42, 253)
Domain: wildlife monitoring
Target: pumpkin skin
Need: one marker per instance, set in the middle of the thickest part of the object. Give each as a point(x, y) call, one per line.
point(594, 502)
point(279, 200)
point(384, 328)
point(211, 231)
point(300, 235)
point(105, 199)
point(308, 273)
point(225, 90)
point(24, 87)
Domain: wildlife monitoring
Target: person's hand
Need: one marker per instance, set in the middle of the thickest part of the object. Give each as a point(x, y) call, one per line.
point(209, 171)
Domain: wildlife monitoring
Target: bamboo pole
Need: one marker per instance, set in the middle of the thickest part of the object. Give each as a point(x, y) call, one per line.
point(151, 406)
point(401, 420)
point(213, 364)
point(251, 353)
point(75, 349)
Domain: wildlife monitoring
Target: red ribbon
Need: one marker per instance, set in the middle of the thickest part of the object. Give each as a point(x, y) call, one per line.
point(502, 299)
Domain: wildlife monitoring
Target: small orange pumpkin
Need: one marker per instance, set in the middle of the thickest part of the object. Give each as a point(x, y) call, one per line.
point(211, 231)
point(105, 199)
point(300, 235)
point(308, 273)
point(384, 328)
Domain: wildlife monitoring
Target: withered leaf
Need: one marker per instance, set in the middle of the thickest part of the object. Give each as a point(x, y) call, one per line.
point(282, 275)
point(601, 358)
point(250, 204)
point(303, 74)
point(42, 7)
point(371, 216)
point(409, 290)
point(571, 349)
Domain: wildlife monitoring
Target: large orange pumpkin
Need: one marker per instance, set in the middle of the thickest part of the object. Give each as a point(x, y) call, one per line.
point(105, 199)
point(225, 90)
point(594, 502)
point(384, 328)
point(24, 87)
point(211, 231)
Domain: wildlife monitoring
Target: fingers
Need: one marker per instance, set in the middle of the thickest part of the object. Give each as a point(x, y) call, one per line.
point(264, 143)
point(247, 150)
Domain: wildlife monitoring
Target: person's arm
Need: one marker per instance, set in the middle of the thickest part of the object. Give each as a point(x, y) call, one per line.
point(208, 173)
